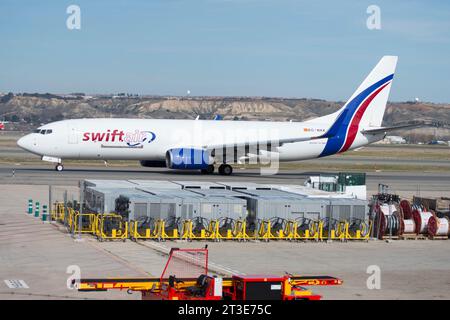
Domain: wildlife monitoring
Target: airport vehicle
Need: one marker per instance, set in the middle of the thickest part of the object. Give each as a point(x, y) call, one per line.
point(201, 144)
point(185, 277)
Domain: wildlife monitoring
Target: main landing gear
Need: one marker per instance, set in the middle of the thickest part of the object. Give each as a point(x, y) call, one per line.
point(225, 169)
point(209, 169)
point(59, 167)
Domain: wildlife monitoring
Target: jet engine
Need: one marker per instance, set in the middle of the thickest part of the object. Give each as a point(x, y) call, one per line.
point(188, 158)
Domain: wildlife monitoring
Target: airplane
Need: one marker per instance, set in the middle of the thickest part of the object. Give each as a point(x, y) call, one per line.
point(202, 144)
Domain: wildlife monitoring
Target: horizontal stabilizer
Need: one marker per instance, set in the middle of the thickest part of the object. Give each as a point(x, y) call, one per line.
point(375, 131)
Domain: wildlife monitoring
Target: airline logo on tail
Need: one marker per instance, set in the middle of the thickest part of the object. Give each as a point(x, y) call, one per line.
point(343, 132)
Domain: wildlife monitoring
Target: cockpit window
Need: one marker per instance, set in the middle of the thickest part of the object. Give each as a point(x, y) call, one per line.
point(43, 131)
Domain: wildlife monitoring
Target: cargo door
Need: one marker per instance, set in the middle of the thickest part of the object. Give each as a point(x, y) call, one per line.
point(72, 134)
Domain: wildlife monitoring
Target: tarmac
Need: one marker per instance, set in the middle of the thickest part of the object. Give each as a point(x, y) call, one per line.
point(40, 254)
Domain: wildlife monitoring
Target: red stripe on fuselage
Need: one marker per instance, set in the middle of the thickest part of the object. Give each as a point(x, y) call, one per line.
point(353, 128)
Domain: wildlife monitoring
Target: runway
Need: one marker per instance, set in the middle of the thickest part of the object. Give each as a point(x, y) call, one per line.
point(404, 183)
point(408, 170)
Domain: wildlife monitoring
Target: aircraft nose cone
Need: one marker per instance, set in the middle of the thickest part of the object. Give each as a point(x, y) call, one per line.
point(21, 143)
point(25, 142)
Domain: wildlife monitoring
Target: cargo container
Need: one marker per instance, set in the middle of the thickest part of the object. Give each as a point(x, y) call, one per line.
point(266, 204)
point(225, 203)
point(103, 200)
point(193, 205)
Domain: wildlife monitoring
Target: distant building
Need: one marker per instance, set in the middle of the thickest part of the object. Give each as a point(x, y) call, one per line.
point(438, 142)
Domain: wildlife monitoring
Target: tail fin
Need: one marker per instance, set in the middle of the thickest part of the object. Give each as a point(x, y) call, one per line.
point(364, 109)
point(370, 99)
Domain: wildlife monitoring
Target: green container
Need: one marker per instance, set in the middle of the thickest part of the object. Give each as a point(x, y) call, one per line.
point(352, 179)
point(30, 206)
point(36, 210)
point(44, 213)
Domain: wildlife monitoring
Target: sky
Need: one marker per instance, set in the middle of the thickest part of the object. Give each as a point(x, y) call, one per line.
point(278, 48)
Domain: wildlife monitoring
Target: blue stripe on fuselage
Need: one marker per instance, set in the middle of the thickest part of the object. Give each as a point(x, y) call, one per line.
point(339, 128)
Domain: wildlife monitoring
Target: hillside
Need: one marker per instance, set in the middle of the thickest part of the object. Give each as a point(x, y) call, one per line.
point(27, 111)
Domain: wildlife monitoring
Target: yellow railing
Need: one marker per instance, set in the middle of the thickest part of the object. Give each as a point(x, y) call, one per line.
point(111, 226)
point(162, 233)
point(361, 231)
point(87, 222)
point(336, 233)
point(137, 233)
point(57, 212)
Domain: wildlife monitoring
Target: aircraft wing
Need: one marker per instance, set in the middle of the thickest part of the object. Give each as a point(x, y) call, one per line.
point(263, 144)
point(331, 132)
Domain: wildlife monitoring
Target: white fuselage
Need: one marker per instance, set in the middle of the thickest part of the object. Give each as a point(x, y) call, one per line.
point(150, 139)
point(181, 143)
